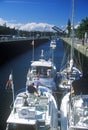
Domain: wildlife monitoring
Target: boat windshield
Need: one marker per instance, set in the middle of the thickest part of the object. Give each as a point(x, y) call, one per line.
point(48, 83)
point(19, 101)
point(42, 71)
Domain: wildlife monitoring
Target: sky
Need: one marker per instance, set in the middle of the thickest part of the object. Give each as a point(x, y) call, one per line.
point(41, 14)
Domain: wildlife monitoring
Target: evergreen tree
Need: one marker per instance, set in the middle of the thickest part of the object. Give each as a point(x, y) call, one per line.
point(69, 27)
point(82, 28)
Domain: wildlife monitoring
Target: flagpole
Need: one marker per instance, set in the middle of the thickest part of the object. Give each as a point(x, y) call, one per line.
point(12, 86)
point(13, 94)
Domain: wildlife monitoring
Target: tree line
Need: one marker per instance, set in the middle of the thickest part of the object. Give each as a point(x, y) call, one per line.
point(4, 30)
point(80, 30)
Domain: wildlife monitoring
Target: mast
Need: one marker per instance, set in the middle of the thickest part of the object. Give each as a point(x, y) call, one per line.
point(72, 43)
point(42, 54)
point(13, 93)
point(33, 50)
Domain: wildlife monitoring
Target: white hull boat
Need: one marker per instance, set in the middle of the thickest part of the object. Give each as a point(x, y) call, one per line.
point(38, 112)
point(53, 44)
point(44, 71)
point(74, 107)
point(71, 72)
point(67, 76)
point(74, 104)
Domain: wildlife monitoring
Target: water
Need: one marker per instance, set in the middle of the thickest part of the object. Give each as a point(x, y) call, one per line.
point(19, 66)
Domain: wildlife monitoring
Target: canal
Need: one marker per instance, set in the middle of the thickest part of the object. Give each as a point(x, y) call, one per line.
point(19, 66)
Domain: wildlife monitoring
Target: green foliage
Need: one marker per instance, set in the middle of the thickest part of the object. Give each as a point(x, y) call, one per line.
point(82, 28)
point(4, 30)
point(7, 31)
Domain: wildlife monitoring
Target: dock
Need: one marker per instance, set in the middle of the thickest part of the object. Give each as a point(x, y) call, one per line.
point(83, 49)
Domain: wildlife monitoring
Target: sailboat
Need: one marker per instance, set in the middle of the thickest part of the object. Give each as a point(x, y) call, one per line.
point(70, 72)
point(74, 104)
point(78, 105)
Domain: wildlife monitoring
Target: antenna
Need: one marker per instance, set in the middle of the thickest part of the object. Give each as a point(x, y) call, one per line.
point(42, 54)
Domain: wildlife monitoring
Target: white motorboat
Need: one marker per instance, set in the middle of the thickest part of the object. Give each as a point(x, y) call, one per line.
point(53, 44)
point(33, 111)
point(44, 70)
point(74, 106)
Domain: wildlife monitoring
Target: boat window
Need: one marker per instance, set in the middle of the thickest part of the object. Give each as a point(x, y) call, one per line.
point(43, 70)
point(34, 70)
point(41, 108)
point(43, 101)
point(30, 101)
point(19, 101)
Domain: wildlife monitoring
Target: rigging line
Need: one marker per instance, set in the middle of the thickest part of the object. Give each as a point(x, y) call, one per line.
point(82, 61)
point(62, 62)
point(63, 59)
point(77, 59)
point(67, 54)
point(80, 64)
point(66, 57)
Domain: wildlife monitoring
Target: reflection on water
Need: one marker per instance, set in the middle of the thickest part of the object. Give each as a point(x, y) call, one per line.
point(19, 66)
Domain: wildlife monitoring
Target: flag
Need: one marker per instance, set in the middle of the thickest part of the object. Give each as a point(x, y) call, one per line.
point(9, 82)
point(32, 43)
point(10, 86)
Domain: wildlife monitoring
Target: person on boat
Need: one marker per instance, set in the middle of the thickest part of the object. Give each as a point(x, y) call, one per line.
point(49, 73)
point(31, 89)
point(36, 82)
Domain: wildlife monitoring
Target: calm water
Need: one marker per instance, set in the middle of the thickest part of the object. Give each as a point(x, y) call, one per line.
point(19, 66)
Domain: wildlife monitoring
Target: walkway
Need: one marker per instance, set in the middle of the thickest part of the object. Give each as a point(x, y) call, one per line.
point(78, 46)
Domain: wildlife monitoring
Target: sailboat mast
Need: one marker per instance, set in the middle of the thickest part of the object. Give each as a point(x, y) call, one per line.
point(72, 43)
